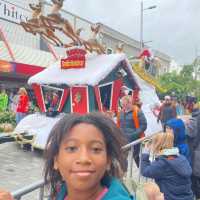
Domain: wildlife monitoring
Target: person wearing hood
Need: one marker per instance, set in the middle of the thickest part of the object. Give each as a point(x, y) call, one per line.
point(193, 139)
point(177, 127)
point(170, 170)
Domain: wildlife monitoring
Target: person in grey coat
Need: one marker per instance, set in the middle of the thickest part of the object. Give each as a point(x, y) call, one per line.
point(193, 138)
point(132, 122)
point(167, 112)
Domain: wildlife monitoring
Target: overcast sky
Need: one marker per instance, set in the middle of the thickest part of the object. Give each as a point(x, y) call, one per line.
point(173, 27)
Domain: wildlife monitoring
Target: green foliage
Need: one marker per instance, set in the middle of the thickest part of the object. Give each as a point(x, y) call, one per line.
point(1, 130)
point(7, 117)
point(181, 84)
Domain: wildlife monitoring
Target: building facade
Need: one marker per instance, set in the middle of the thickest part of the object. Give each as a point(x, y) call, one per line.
point(23, 54)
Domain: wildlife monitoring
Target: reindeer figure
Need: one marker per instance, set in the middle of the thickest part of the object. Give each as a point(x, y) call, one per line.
point(120, 48)
point(71, 44)
point(36, 12)
point(35, 26)
point(57, 5)
point(45, 32)
point(55, 21)
point(92, 44)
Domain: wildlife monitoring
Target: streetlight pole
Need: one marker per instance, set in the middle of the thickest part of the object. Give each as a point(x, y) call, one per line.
point(141, 22)
point(141, 25)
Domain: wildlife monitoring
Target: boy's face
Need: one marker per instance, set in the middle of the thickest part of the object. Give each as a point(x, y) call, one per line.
point(82, 159)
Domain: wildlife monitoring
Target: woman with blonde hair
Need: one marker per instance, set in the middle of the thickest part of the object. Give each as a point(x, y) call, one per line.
point(22, 105)
point(170, 170)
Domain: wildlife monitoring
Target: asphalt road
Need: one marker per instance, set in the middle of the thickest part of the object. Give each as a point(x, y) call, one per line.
point(19, 168)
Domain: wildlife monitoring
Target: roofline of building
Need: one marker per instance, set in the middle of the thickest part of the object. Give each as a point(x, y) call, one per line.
point(119, 36)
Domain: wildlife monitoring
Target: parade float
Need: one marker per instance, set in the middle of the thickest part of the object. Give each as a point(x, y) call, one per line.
point(146, 66)
point(84, 80)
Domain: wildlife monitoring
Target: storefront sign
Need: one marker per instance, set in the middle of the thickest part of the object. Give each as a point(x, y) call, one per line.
point(12, 12)
point(6, 66)
point(75, 59)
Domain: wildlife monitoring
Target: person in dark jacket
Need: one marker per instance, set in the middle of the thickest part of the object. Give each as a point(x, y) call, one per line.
point(178, 129)
point(170, 170)
point(167, 112)
point(132, 122)
point(193, 138)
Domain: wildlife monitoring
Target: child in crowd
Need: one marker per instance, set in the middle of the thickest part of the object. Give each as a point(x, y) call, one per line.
point(171, 171)
point(153, 191)
point(177, 127)
point(84, 159)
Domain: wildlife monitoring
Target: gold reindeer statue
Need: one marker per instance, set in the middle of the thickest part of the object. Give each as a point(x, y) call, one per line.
point(120, 48)
point(92, 44)
point(55, 21)
point(36, 12)
point(34, 26)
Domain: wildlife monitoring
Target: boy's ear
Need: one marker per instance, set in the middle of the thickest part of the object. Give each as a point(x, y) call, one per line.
point(55, 164)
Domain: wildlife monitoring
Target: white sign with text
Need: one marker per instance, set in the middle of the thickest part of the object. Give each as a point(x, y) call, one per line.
point(13, 13)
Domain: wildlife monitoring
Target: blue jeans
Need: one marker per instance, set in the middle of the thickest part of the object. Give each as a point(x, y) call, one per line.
point(19, 116)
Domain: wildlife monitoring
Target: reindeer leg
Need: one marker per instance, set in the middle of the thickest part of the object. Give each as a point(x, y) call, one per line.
point(68, 28)
point(69, 35)
point(47, 23)
point(28, 28)
point(57, 39)
point(47, 38)
point(87, 46)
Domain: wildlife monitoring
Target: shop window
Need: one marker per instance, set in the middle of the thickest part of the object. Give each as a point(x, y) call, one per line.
point(105, 94)
point(52, 97)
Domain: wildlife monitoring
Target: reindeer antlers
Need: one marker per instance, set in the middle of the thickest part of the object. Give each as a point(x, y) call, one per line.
point(95, 28)
point(58, 2)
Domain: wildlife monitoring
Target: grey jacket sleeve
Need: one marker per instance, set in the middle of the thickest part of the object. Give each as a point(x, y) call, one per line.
point(143, 123)
point(191, 128)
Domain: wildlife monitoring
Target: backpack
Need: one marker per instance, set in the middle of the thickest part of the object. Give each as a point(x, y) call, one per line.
point(136, 121)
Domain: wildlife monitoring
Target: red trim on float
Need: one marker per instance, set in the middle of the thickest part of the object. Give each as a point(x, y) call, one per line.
point(117, 84)
point(27, 69)
point(39, 96)
point(63, 99)
point(98, 98)
point(79, 99)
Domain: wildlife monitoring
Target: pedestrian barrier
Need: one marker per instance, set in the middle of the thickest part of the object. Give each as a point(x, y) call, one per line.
point(30, 188)
point(6, 138)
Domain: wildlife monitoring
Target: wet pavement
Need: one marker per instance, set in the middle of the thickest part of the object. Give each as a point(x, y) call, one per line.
point(19, 168)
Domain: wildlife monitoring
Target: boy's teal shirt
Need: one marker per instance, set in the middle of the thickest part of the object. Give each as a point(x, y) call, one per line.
point(116, 191)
